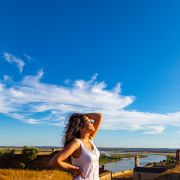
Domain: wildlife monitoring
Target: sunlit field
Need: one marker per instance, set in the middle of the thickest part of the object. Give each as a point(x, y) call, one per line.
point(12, 174)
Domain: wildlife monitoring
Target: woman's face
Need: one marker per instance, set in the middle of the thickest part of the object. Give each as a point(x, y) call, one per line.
point(89, 124)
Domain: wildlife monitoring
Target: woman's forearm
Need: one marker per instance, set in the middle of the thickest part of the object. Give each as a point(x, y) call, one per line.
point(98, 119)
point(67, 166)
point(95, 116)
point(64, 165)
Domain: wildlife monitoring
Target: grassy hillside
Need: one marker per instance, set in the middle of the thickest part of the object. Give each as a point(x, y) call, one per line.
point(11, 174)
point(171, 174)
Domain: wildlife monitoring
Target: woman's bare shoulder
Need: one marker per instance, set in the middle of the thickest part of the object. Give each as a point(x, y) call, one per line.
point(75, 142)
point(72, 146)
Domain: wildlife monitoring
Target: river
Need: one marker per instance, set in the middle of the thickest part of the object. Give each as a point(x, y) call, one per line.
point(128, 163)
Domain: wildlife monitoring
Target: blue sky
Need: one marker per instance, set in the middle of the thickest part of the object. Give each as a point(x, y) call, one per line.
point(120, 58)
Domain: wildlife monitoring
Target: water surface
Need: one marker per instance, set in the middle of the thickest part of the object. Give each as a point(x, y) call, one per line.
point(128, 163)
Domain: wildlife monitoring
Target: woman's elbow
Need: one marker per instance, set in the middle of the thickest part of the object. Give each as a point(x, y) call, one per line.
point(51, 162)
point(54, 162)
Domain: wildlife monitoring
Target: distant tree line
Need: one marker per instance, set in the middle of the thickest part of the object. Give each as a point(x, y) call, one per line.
point(170, 160)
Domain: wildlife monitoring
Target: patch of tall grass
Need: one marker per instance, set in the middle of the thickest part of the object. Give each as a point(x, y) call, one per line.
point(15, 174)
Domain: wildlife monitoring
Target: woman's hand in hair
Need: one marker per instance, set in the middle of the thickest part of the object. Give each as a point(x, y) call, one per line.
point(98, 120)
point(77, 172)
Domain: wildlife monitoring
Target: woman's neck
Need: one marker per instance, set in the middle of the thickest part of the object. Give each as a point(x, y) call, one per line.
point(85, 137)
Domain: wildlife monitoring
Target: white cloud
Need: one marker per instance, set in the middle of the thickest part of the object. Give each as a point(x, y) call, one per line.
point(6, 78)
point(33, 101)
point(155, 129)
point(14, 60)
point(32, 121)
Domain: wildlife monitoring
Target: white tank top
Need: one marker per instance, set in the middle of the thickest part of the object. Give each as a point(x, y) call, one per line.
point(88, 162)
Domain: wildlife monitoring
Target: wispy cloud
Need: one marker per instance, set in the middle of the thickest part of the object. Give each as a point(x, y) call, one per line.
point(33, 101)
point(29, 58)
point(6, 78)
point(14, 60)
point(155, 129)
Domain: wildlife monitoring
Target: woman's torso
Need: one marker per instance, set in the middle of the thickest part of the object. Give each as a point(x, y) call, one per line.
point(88, 162)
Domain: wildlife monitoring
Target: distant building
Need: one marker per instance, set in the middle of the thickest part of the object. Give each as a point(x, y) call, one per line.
point(137, 161)
point(108, 155)
point(146, 173)
point(53, 149)
point(178, 156)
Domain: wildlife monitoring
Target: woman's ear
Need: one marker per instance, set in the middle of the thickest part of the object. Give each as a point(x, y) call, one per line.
point(81, 125)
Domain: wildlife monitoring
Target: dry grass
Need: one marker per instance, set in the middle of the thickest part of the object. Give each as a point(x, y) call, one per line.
point(125, 176)
point(175, 170)
point(170, 174)
point(39, 153)
point(12, 174)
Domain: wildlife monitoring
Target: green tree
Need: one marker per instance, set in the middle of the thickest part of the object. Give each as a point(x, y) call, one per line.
point(6, 157)
point(28, 155)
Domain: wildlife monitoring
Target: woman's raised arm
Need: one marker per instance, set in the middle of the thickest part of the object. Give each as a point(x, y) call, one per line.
point(97, 117)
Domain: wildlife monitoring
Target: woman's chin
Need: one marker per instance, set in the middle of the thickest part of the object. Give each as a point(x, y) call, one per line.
point(91, 129)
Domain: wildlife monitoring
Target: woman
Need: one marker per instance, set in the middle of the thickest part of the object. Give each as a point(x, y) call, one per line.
point(78, 144)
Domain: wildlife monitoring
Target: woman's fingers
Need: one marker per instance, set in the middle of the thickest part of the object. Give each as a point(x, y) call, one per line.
point(82, 175)
point(78, 172)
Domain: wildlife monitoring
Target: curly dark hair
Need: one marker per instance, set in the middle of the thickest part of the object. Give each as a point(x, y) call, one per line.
point(72, 128)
